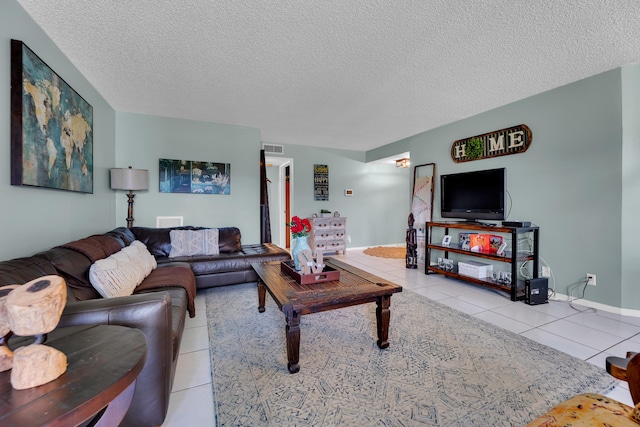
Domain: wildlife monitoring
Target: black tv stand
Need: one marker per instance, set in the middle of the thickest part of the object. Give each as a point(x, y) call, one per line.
point(516, 258)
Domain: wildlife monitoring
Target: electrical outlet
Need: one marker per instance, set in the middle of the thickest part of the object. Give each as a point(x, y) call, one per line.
point(591, 279)
point(349, 238)
point(546, 271)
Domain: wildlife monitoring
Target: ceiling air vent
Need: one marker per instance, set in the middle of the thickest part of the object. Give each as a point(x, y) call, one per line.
point(273, 149)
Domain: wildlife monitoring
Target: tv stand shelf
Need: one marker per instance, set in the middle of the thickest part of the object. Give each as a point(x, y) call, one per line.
point(514, 257)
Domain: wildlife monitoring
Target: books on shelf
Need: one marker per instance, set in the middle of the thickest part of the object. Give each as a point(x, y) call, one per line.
point(488, 243)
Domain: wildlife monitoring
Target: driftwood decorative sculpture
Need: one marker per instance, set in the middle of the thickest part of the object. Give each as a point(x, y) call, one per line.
point(34, 309)
point(6, 355)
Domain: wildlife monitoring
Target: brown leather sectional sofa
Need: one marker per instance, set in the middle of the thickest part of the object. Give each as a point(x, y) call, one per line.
point(158, 306)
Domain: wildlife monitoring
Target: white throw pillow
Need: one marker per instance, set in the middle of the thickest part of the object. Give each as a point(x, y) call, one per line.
point(120, 273)
point(139, 253)
point(194, 242)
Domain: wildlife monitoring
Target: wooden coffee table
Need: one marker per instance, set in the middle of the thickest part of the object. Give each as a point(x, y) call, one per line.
point(294, 300)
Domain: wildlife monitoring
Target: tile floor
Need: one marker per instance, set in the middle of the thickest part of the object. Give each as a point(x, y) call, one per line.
point(587, 335)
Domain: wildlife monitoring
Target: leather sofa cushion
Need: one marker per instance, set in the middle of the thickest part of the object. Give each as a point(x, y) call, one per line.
point(122, 234)
point(22, 270)
point(74, 268)
point(179, 302)
point(231, 261)
point(96, 247)
point(158, 240)
point(267, 252)
point(229, 239)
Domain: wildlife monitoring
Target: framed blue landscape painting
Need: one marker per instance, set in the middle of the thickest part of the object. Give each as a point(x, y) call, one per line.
point(51, 127)
point(187, 176)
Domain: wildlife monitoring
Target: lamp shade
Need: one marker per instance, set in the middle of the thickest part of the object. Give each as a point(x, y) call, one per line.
point(129, 179)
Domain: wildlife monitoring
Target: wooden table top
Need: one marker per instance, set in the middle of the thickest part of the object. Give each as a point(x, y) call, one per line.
point(103, 360)
point(355, 286)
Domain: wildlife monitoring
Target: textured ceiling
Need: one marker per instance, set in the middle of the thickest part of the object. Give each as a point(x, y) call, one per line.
point(352, 74)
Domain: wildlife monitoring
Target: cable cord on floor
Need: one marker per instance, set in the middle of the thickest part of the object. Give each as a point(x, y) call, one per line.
point(571, 300)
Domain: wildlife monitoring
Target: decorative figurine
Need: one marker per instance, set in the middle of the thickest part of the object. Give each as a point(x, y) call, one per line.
point(412, 245)
point(6, 355)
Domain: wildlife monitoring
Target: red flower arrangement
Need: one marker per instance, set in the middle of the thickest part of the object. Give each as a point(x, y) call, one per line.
point(299, 227)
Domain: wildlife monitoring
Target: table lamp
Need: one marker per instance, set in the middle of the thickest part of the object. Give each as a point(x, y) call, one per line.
point(129, 179)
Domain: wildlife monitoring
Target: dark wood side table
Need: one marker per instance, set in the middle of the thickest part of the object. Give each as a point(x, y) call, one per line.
point(103, 363)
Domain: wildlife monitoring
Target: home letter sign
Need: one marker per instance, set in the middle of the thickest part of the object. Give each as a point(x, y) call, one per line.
point(493, 144)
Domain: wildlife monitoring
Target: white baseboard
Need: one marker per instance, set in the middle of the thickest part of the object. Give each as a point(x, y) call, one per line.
point(598, 306)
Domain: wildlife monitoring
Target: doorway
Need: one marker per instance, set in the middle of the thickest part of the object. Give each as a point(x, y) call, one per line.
point(280, 199)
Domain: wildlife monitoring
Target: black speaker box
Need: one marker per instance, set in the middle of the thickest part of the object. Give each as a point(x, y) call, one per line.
point(516, 223)
point(536, 291)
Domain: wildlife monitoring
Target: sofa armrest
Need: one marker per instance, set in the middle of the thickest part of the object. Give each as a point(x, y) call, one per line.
point(151, 314)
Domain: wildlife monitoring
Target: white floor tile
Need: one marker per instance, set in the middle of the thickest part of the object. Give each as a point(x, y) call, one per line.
point(583, 334)
point(462, 306)
point(194, 339)
point(621, 395)
point(199, 320)
point(621, 348)
point(486, 299)
point(503, 322)
point(600, 359)
point(523, 313)
point(557, 309)
point(627, 319)
point(559, 343)
point(431, 294)
point(193, 369)
point(191, 407)
point(454, 288)
point(605, 324)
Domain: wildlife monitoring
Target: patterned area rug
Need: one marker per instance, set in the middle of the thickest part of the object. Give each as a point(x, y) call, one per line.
point(387, 251)
point(442, 367)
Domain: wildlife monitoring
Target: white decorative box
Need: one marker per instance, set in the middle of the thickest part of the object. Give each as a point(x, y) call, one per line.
point(475, 269)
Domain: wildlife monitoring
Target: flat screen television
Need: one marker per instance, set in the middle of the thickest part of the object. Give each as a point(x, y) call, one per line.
point(473, 196)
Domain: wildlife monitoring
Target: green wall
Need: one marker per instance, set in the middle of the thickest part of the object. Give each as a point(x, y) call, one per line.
point(630, 186)
point(143, 140)
point(569, 181)
point(376, 213)
point(33, 219)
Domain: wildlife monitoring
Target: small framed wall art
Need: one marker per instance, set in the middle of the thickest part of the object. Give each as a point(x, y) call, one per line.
point(321, 182)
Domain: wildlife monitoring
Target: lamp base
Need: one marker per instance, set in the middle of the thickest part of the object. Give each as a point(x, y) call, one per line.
point(130, 197)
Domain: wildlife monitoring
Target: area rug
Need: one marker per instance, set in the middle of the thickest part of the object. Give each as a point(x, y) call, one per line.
point(387, 251)
point(442, 367)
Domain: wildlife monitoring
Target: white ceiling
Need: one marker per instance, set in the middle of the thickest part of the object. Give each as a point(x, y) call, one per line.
point(352, 74)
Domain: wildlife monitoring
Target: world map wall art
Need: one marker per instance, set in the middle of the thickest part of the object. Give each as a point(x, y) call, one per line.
point(51, 127)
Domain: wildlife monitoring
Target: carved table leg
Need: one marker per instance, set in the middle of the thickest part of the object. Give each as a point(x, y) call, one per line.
point(293, 340)
point(261, 294)
point(383, 315)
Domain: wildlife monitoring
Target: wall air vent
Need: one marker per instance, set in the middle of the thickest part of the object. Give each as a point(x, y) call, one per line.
point(273, 149)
